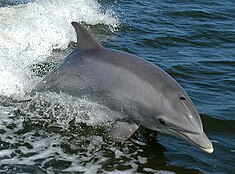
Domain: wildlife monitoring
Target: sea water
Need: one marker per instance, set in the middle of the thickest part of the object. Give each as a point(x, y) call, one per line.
point(55, 133)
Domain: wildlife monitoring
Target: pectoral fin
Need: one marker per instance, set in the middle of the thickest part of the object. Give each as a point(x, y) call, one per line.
point(122, 130)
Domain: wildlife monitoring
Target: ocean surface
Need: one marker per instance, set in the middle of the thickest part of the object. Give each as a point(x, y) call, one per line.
point(194, 41)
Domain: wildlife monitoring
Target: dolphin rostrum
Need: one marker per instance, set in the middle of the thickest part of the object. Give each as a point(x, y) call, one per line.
point(139, 92)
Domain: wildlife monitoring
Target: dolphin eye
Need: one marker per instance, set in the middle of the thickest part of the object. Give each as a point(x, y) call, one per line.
point(162, 121)
point(182, 98)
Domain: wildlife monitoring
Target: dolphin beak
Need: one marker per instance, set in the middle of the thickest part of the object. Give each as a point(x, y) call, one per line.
point(199, 140)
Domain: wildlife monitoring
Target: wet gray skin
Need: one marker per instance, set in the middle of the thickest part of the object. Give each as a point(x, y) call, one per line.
point(138, 92)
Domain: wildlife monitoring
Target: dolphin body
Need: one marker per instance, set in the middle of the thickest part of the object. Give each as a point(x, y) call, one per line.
point(138, 92)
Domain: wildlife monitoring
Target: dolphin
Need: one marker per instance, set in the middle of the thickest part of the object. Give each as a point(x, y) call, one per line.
point(139, 92)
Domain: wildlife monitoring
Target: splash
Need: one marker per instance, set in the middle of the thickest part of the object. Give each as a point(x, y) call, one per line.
point(63, 109)
point(30, 143)
point(30, 32)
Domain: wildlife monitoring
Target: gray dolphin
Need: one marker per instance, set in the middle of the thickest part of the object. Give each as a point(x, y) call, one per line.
point(139, 92)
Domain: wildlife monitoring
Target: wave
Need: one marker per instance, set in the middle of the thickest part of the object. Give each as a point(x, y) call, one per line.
point(31, 31)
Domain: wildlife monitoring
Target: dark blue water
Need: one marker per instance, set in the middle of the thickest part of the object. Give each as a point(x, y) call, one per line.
point(194, 41)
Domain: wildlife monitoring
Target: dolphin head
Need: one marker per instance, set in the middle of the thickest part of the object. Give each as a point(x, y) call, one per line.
point(177, 116)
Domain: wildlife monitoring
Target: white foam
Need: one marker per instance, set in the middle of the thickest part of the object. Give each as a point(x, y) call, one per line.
point(88, 154)
point(30, 32)
point(5, 152)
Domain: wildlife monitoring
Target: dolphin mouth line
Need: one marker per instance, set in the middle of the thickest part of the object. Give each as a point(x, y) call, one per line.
point(181, 133)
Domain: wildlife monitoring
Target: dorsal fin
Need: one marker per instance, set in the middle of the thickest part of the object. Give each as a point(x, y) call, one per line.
point(85, 40)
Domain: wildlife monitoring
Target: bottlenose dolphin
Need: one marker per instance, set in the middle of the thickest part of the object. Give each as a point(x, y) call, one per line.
point(139, 92)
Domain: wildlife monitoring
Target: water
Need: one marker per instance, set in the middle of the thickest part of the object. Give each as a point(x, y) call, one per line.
point(191, 40)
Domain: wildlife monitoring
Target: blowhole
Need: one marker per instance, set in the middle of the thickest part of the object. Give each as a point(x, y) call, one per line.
point(182, 98)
